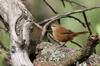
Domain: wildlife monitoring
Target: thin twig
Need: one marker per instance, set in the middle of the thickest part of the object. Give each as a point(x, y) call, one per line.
point(37, 25)
point(63, 3)
point(78, 20)
point(87, 23)
point(33, 20)
point(5, 24)
point(50, 7)
point(76, 43)
point(71, 1)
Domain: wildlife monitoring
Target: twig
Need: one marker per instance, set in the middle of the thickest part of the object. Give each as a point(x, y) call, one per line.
point(5, 24)
point(37, 25)
point(50, 7)
point(34, 22)
point(71, 1)
point(31, 17)
point(78, 20)
point(88, 49)
point(63, 3)
point(76, 43)
point(87, 23)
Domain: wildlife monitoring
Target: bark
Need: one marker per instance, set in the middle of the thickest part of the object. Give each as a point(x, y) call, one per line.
point(19, 20)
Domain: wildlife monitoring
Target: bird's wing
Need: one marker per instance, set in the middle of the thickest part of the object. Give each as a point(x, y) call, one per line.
point(67, 32)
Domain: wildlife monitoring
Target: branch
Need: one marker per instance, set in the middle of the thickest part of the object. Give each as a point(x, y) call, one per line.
point(59, 16)
point(93, 60)
point(58, 13)
point(51, 54)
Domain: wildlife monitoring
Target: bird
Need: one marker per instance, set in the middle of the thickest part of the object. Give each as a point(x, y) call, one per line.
point(63, 34)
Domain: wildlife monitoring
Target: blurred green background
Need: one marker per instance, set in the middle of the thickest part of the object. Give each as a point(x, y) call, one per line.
point(41, 11)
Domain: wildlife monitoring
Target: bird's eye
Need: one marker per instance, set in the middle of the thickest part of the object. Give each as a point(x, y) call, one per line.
point(54, 25)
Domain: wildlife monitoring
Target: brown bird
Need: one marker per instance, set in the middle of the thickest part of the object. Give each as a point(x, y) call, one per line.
point(63, 34)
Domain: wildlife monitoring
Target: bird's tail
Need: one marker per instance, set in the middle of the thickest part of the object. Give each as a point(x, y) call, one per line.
point(82, 32)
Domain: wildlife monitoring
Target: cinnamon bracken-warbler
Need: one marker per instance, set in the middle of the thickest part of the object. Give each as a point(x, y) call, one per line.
point(63, 34)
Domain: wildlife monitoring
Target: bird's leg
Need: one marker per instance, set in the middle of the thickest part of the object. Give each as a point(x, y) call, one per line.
point(63, 44)
point(76, 43)
point(50, 37)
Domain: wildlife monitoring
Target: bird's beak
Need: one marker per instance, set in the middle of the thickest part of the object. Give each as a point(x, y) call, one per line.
point(52, 27)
